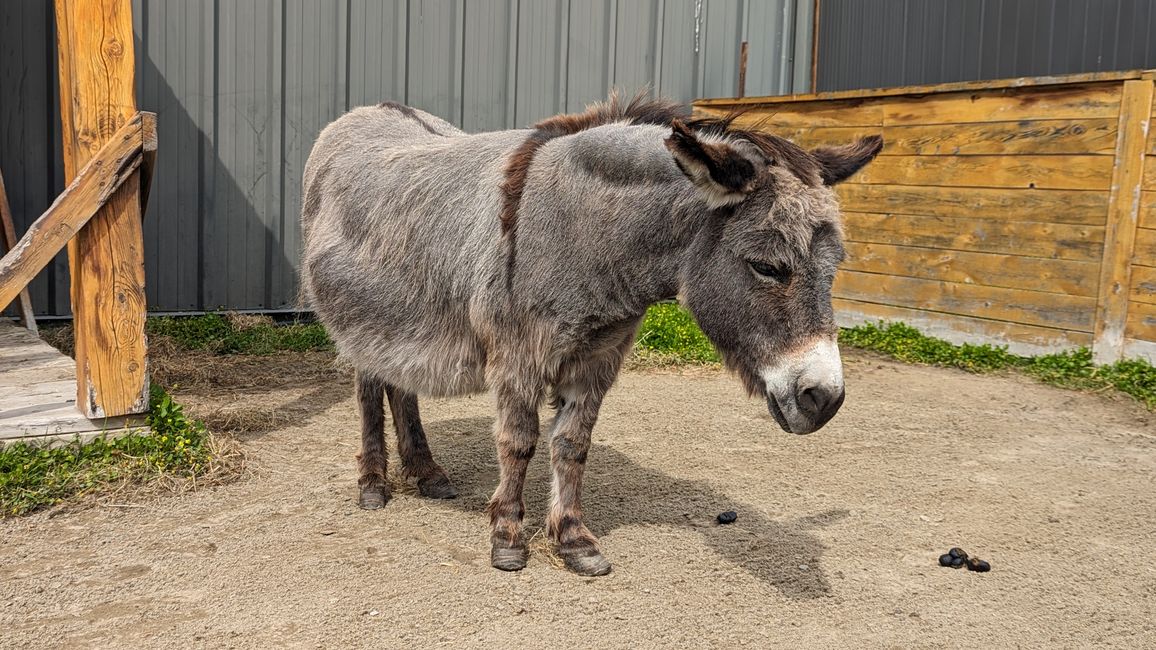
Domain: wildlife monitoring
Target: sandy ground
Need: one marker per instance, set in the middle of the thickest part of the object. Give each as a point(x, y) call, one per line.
point(835, 544)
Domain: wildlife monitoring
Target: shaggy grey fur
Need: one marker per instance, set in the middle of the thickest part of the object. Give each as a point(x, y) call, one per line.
point(406, 264)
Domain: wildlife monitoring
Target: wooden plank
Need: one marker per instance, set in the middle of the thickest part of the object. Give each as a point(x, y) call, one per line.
point(1141, 324)
point(1025, 171)
point(97, 80)
point(1143, 287)
point(1123, 216)
point(1147, 216)
point(992, 270)
point(1059, 103)
point(1046, 136)
point(1027, 239)
point(1011, 305)
point(1024, 307)
point(1084, 136)
point(930, 89)
point(8, 239)
point(1054, 206)
point(1144, 252)
point(1020, 339)
point(814, 114)
point(81, 200)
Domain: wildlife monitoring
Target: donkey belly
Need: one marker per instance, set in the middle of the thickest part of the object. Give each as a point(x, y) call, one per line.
point(396, 329)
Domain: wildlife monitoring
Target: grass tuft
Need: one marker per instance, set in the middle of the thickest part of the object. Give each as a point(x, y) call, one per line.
point(239, 334)
point(35, 476)
point(669, 336)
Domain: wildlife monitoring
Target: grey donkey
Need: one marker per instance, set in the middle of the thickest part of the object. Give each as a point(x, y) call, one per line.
point(522, 261)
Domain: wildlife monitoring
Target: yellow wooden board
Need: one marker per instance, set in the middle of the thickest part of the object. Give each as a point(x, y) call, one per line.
point(1012, 305)
point(1147, 214)
point(972, 329)
point(1143, 284)
point(1141, 321)
point(994, 270)
point(1033, 137)
point(1058, 103)
point(1053, 206)
point(1025, 172)
point(1144, 252)
point(1011, 83)
point(813, 114)
point(1028, 239)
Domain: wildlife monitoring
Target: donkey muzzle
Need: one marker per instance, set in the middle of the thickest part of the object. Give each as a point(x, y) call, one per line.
point(806, 390)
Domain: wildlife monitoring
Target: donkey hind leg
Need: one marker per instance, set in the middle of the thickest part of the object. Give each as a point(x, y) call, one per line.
point(516, 430)
point(416, 460)
point(372, 461)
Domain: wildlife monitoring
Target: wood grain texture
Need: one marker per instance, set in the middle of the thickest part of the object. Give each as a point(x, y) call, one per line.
point(1147, 216)
point(1061, 102)
point(97, 78)
point(1123, 217)
point(1011, 305)
point(1030, 83)
point(8, 240)
point(857, 113)
point(1026, 239)
point(1023, 171)
point(1051, 206)
point(115, 164)
point(1143, 287)
point(38, 392)
point(1020, 339)
point(1030, 137)
point(1076, 278)
point(1141, 323)
point(1144, 251)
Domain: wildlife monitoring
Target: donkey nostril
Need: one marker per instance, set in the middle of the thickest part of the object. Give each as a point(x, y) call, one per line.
point(820, 402)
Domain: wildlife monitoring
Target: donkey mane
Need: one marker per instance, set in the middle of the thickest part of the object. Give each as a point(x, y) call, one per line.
point(642, 109)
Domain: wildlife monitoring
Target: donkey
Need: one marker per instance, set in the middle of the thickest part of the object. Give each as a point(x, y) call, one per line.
point(523, 261)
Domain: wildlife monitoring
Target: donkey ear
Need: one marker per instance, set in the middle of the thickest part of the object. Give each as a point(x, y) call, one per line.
point(840, 163)
point(720, 172)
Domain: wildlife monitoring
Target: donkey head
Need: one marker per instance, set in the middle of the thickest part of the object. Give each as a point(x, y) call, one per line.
point(758, 276)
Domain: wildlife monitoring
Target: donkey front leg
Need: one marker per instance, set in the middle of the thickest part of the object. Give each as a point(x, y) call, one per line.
point(371, 462)
point(416, 459)
point(517, 435)
point(569, 444)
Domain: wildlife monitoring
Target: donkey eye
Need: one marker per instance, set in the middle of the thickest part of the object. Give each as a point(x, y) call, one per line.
point(779, 274)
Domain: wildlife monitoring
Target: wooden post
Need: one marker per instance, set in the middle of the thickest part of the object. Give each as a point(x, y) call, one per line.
point(106, 258)
point(743, 50)
point(1123, 209)
point(8, 236)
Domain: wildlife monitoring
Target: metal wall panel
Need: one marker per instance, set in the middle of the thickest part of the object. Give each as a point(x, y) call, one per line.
point(880, 43)
point(242, 88)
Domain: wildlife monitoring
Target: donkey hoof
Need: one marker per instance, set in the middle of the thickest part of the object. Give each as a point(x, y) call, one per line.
point(509, 559)
point(373, 497)
point(585, 561)
point(437, 487)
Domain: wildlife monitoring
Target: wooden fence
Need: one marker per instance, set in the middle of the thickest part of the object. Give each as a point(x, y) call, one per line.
point(1018, 212)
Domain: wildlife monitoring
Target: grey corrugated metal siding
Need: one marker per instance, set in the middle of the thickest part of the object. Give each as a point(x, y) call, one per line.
point(243, 87)
point(880, 43)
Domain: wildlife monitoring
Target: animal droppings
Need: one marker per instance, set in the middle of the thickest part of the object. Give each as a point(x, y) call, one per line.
point(957, 557)
point(728, 517)
point(978, 565)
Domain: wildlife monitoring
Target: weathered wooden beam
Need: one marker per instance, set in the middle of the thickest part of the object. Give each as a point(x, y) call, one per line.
point(116, 162)
point(106, 258)
point(1123, 214)
point(8, 235)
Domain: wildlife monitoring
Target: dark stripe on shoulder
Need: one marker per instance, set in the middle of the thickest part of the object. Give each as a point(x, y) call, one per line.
point(640, 110)
point(408, 112)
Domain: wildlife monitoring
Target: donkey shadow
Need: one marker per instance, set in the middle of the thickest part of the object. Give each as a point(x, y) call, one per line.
point(619, 492)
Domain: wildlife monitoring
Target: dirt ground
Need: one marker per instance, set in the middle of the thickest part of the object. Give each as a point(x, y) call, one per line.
point(835, 544)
